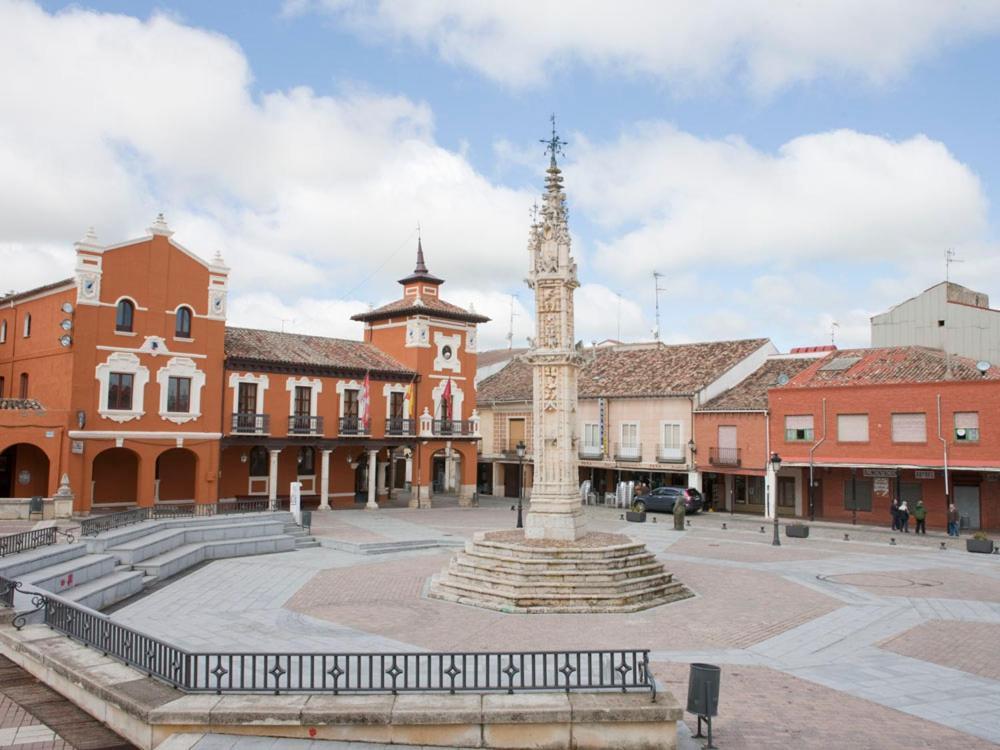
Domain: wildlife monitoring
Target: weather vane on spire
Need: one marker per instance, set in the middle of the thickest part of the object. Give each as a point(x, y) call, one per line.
point(554, 145)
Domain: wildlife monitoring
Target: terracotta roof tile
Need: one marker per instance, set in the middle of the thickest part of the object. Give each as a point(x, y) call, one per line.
point(751, 392)
point(312, 351)
point(428, 305)
point(889, 365)
point(631, 370)
point(15, 296)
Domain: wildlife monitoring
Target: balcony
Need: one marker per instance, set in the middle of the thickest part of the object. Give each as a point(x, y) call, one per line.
point(592, 452)
point(353, 426)
point(669, 454)
point(628, 452)
point(247, 423)
point(400, 427)
point(453, 427)
point(303, 424)
point(725, 457)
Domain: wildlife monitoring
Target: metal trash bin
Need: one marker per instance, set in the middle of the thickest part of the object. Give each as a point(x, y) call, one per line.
point(703, 695)
point(35, 506)
point(307, 519)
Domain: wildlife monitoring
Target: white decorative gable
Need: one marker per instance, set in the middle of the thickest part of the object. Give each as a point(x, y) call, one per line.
point(448, 346)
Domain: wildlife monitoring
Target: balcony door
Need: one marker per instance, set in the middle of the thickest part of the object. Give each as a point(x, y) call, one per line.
point(303, 408)
point(727, 445)
point(396, 414)
point(351, 411)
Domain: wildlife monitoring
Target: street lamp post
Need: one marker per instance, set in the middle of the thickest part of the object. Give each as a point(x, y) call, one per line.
point(775, 466)
point(520, 448)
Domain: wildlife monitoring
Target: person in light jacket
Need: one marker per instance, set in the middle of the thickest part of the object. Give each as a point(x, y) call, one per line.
point(904, 517)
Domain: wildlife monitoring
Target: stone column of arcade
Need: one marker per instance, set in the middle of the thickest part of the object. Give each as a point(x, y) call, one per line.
point(558, 567)
point(324, 480)
point(272, 479)
point(372, 479)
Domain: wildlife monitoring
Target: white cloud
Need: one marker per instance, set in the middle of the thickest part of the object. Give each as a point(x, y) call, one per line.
point(680, 201)
point(110, 119)
point(687, 43)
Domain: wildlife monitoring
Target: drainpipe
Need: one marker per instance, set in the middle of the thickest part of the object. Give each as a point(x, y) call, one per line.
point(944, 448)
point(767, 462)
point(812, 483)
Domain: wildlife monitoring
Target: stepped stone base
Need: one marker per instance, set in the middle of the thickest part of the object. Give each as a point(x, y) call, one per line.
point(504, 571)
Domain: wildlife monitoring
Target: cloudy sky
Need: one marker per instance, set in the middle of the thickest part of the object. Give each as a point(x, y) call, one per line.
point(785, 165)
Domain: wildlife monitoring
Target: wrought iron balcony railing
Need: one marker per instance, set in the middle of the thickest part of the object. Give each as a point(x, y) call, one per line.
point(459, 427)
point(248, 423)
point(628, 452)
point(669, 454)
point(725, 457)
point(592, 452)
point(353, 426)
point(303, 424)
point(399, 426)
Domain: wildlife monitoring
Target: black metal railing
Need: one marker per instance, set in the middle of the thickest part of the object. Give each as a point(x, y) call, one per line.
point(26, 540)
point(453, 427)
point(352, 426)
point(591, 452)
point(628, 452)
point(666, 454)
point(7, 589)
point(271, 672)
point(107, 522)
point(247, 423)
point(399, 426)
point(724, 457)
point(303, 424)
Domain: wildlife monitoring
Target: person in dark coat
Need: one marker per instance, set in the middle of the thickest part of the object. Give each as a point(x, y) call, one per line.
point(920, 514)
point(904, 517)
point(895, 514)
point(952, 520)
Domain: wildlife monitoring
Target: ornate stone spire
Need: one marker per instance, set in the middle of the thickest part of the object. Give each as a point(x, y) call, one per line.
point(421, 266)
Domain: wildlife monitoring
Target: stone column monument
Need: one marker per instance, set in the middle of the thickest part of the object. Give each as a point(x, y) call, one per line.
point(555, 511)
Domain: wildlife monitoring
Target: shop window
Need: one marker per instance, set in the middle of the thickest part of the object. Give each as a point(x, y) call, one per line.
point(858, 494)
point(967, 426)
point(120, 391)
point(124, 316)
point(799, 428)
point(182, 327)
point(909, 428)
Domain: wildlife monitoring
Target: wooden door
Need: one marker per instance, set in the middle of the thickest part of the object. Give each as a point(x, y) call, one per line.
point(510, 483)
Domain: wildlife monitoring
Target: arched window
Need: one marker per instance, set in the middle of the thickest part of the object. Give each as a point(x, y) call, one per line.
point(27, 325)
point(124, 316)
point(3, 331)
point(259, 461)
point(183, 328)
point(24, 386)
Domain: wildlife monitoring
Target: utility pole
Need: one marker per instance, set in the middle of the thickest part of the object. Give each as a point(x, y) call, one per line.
point(657, 289)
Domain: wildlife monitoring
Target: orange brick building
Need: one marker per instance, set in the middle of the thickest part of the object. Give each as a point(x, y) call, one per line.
point(126, 379)
point(870, 425)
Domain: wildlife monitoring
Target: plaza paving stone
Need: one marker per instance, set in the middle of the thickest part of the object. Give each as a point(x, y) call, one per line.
point(823, 643)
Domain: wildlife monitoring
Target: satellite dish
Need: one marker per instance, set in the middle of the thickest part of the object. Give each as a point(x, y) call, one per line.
point(783, 379)
point(983, 366)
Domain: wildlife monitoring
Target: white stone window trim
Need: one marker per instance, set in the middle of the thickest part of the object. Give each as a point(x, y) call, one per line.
point(261, 381)
point(347, 385)
point(470, 339)
point(316, 384)
point(457, 397)
point(3, 331)
point(173, 323)
point(180, 367)
point(135, 305)
point(417, 333)
point(129, 364)
point(26, 331)
point(454, 341)
point(666, 452)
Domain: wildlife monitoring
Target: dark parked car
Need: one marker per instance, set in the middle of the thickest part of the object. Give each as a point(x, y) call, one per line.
point(663, 498)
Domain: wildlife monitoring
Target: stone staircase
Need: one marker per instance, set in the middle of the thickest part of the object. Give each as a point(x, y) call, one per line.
point(531, 578)
point(105, 569)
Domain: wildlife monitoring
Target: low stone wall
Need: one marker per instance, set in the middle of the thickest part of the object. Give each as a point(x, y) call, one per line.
point(147, 712)
point(17, 508)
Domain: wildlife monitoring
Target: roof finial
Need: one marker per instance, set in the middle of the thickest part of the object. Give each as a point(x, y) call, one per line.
point(421, 266)
point(554, 145)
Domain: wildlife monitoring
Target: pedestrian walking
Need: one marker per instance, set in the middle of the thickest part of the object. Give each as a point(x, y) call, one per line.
point(952, 520)
point(920, 514)
point(895, 514)
point(904, 517)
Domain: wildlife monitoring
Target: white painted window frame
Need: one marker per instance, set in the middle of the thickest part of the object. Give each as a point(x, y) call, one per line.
point(672, 453)
point(180, 367)
point(317, 388)
point(122, 362)
point(261, 381)
point(457, 399)
point(441, 340)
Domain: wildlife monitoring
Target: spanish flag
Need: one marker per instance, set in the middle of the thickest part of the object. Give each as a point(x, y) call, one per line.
point(411, 401)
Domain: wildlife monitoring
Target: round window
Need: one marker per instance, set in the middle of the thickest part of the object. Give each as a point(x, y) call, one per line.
point(446, 352)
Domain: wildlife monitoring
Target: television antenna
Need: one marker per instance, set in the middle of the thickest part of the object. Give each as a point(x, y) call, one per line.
point(657, 289)
point(290, 321)
point(834, 325)
point(949, 258)
point(510, 329)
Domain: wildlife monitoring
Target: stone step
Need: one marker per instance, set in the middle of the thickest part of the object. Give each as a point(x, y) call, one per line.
point(106, 590)
point(447, 589)
point(159, 542)
point(173, 562)
point(13, 567)
point(512, 562)
point(640, 564)
point(307, 543)
point(508, 587)
point(65, 575)
point(550, 554)
point(118, 537)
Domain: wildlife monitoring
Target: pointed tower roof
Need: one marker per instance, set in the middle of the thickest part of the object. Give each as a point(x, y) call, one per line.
point(420, 272)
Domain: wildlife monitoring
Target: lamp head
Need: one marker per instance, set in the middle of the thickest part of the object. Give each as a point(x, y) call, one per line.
point(520, 448)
